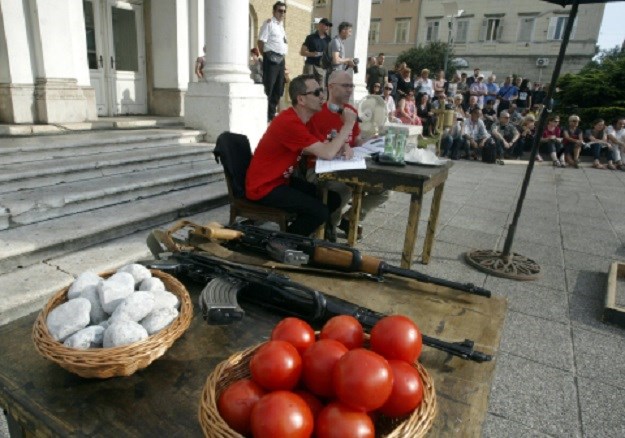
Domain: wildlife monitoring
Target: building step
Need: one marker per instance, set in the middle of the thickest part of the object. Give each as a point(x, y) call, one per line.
point(21, 176)
point(31, 244)
point(45, 203)
point(26, 290)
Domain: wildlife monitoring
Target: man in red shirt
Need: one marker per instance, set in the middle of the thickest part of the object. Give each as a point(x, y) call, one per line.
point(269, 178)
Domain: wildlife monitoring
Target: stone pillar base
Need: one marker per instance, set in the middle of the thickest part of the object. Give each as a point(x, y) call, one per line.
point(167, 102)
point(61, 101)
point(17, 103)
point(216, 107)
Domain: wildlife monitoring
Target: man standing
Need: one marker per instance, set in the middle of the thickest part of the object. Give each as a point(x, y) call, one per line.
point(506, 95)
point(272, 44)
point(479, 89)
point(492, 88)
point(337, 50)
point(376, 74)
point(313, 48)
point(471, 80)
point(269, 178)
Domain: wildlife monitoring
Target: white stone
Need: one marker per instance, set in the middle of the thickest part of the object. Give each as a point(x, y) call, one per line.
point(159, 319)
point(135, 307)
point(115, 289)
point(84, 280)
point(89, 337)
point(164, 298)
point(97, 313)
point(139, 272)
point(68, 318)
point(105, 324)
point(123, 333)
point(152, 284)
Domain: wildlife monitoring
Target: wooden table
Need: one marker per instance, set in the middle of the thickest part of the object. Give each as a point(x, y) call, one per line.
point(43, 399)
point(414, 179)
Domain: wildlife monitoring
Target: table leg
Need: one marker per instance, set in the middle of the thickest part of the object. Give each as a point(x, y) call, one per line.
point(321, 231)
point(355, 215)
point(432, 222)
point(411, 229)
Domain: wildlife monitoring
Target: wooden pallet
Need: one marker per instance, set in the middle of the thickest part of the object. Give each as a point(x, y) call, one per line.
point(614, 311)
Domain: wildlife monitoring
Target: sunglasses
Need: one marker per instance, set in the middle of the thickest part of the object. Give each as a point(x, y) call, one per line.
point(316, 92)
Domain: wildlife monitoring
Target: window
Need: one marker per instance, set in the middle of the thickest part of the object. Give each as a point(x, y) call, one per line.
point(402, 26)
point(491, 29)
point(320, 3)
point(374, 32)
point(526, 29)
point(556, 28)
point(432, 31)
point(462, 30)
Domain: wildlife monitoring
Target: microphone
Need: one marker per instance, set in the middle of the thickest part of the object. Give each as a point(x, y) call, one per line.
point(337, 109)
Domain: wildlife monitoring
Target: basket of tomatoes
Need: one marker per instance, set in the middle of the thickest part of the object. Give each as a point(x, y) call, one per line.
point(339, 382)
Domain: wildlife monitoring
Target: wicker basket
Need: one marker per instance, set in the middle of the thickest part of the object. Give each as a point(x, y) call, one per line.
point(236, 367)
point(118, 361)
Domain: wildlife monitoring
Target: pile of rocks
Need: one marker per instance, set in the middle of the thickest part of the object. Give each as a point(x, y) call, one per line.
point(127, 307)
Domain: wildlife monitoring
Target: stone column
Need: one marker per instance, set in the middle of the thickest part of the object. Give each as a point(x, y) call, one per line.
point(359, 14)
point(227, 99)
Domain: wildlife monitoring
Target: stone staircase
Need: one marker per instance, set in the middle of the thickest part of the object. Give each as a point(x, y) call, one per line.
point(86, 200)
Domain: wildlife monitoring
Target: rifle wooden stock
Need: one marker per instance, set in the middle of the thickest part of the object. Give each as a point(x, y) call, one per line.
point(335, 257)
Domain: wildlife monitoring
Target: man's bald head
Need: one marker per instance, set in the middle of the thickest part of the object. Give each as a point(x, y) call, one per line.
point(339, 76)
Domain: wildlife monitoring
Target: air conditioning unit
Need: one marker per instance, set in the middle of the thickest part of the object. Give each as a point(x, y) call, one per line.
point(542, 62)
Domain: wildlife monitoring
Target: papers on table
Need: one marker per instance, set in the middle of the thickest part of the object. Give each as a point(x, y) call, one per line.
point(371, 146)
point(324, 166)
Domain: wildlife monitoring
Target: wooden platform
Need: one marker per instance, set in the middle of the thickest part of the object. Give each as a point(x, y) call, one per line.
point(163, 399)
point(614, 309)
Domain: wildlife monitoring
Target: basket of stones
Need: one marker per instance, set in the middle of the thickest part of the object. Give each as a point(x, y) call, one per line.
point(113, 324)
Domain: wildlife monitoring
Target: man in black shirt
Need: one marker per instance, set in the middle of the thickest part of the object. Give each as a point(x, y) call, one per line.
point(313, 48)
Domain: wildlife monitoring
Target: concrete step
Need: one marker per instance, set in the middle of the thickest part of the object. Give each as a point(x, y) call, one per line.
point(45, 203)
point(28, 289)
point(21, 176)
point(30, 244)
point(38, 148)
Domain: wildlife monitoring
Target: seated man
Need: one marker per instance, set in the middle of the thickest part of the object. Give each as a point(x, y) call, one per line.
point(324, 123)
point(505, 136)
point(269, 180)
point(474, 136)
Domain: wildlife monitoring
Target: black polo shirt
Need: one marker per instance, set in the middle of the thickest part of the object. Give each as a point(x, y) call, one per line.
point(314, 43)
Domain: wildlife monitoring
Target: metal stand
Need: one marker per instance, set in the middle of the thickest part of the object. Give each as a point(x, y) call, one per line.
point(506, 263)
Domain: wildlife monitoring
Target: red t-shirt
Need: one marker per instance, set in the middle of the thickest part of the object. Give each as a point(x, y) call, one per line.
point(548, 132)
point(277, 154)
point(324, 121)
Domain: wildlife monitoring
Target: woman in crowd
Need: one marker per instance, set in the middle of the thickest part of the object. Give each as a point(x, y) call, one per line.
point(526, 140)
point(423, 84)
point(573, 141)
point(407, 110)
point(452, 86)
point(616, 137)
point(524, 100)
point(439, 85)
point(390, 103)
point(552, 139)
point(598, 139)
point(426, 113)
point(404, 81)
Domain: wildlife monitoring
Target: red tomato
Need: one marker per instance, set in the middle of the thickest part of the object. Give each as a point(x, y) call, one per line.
point(317, 365)
point(296, 332)
point(340, 421)
point(313, 402)
point(282, 414)
point(236, 402)
point(397, 337)
point(362, 379)
point(344, 328)
point(276, 365)
point(407, 391)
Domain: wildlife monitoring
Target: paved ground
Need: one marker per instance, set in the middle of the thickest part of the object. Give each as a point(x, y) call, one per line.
point(560, 371)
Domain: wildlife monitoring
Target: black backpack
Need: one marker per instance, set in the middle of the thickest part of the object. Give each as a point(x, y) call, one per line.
point(489, 152)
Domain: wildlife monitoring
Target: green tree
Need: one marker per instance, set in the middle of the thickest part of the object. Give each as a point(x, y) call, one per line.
point(430, 56)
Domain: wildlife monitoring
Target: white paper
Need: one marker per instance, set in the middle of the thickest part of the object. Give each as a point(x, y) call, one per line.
point(324, 166)
point(372, 146)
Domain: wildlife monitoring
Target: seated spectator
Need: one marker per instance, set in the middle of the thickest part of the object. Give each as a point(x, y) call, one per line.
point(598, 140)
point(490, 114)
point(426, 113)
point(471, 104)
point(505, 136)
point(474, 136)
point(452, 141)
point(390, 103)
point(551, 138)
point(376, 89)
point(457, 106)
point(616, 137)
point(526, 137)
point(516, 118)
point(407, 110)
point(423, 84)
point(573, 141)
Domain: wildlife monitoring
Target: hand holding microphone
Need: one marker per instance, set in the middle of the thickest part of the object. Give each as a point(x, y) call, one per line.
point(337, 109)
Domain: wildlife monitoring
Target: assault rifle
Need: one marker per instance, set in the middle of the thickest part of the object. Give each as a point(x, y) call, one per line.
point(299, 250)
point(229, 282)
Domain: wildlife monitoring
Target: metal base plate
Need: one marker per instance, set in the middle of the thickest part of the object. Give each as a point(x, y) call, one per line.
point(515, 266)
